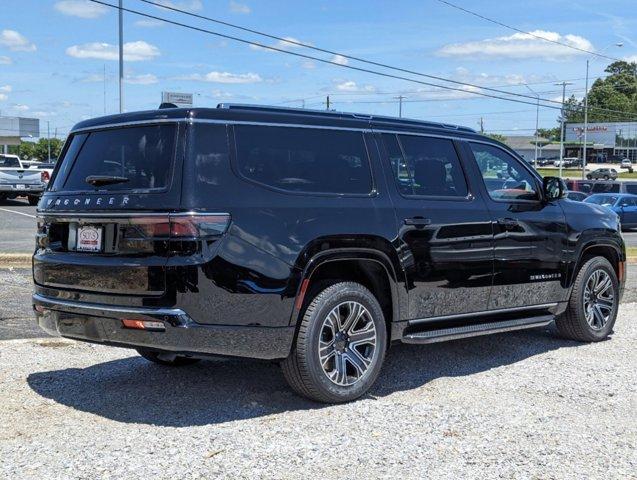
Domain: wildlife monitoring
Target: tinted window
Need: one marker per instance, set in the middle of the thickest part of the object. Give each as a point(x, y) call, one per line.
point(304, 160)
point(9, 162)
point(142, 155)
point(630, 187)
point(426, 166)
point(605, 188)
point(627, 202)
point(504, 176)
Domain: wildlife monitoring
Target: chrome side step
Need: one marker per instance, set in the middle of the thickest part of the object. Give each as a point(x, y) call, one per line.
point(444, 334)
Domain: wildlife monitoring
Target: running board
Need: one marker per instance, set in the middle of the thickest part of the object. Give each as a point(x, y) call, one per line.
point(442, 335)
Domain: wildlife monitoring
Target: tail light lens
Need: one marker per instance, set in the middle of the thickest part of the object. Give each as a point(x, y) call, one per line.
point(45, 177)
point(178, 226)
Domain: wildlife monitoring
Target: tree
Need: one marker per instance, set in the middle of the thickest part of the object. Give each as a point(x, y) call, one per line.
point(497, 136)
point(38, 150)
point(552, 134)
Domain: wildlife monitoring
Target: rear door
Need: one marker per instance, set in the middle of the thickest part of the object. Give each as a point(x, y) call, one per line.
point(103, 220)
point(444, 230)
point(530, 234)
point(628, 211)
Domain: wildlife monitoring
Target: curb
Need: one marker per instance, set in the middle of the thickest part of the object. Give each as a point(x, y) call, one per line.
point(15, 260)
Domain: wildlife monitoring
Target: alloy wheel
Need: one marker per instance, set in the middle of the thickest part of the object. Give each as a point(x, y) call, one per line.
point(599, 299)
point(347, 343)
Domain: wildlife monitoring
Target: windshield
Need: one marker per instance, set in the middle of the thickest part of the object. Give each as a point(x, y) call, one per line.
point(605, 200)
point(141, 157)
point(9, 162)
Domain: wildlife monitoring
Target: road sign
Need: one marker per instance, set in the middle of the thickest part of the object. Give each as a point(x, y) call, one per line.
point(180, 99)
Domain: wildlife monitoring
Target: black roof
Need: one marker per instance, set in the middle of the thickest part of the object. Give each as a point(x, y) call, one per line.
point(262, 113)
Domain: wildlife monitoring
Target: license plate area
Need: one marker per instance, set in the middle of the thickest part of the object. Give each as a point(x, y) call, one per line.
point(20, 186)
point(89, 238)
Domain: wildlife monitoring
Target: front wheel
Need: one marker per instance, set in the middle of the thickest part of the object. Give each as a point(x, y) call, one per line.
point(605, 177)
point(592, 308)
point(340, 345)
point(589, 177)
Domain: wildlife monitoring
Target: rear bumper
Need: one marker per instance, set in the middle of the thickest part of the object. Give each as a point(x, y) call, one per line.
point(28, 188)
point(100, 323)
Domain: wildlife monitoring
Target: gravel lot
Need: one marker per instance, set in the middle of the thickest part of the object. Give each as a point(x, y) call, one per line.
point(521, 405)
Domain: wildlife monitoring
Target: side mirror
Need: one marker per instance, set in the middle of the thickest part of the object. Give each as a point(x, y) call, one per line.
point(554, 188)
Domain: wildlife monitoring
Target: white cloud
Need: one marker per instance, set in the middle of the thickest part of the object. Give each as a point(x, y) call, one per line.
point(149, 23)
point(519, 45)
point(16, 41)
point(93, 78)
point(190, 5)
point(631, 58)
point(282, 44)
point(4, 60)
point(5, 89)
point(351, 86)
point(223, 77)
point(80, 8)
point(19, 107)
point(133, 51)
point(3, 97)
point(340, 59)
point(236, 7)
point(144, 79)
point(42, 113)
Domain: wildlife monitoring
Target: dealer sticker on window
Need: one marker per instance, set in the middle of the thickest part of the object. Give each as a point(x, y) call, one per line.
point(89, 239)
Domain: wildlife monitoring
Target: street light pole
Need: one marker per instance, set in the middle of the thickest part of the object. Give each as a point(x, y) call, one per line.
point(537, 121)
point(400, 105)
point(121, 57)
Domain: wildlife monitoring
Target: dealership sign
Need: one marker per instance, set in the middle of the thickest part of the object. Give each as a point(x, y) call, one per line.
point(179, 99)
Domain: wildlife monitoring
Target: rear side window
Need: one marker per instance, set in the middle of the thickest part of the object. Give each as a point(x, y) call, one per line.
point(605, 188)
point(425, 166)
point(631, 188)
point(304, 159)
point(141, 155)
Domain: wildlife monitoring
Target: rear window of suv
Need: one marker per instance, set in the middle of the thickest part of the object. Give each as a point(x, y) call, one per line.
point(304, 159)
point(142, 155)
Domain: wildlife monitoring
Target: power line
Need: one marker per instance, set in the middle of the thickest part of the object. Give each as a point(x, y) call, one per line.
point(540, 37)
point(331, 52)
point(330, 62)
point(322, 60)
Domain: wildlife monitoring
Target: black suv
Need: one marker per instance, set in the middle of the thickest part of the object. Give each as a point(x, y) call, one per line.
point(312, 238)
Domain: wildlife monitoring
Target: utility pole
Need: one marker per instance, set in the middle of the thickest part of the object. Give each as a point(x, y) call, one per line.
point(400, 105)
point(537, 121)
point(563, 84)
point(48, 134)
point(481, 125)
point(121, 57)
point(327, 103)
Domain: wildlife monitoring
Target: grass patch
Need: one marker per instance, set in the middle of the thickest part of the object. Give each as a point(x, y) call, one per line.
point(631, 252)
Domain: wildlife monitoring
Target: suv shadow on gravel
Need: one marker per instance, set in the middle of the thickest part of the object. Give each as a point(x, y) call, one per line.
point(212, 392)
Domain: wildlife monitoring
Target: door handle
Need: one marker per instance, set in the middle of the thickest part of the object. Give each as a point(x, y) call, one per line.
point(508, 222)
point(418, 221)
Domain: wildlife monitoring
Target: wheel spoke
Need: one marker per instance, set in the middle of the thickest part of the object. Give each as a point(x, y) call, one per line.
point(599, 316)
point(354, 358)
point(339, 374)
point(364, 335)
point(604, 285)
point(356, 311)
point(326, 351)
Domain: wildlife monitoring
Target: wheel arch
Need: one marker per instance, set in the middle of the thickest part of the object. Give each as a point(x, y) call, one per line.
point(372, 268)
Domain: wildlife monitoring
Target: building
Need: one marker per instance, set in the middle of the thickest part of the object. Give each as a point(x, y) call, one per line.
point(606, 141)
point(524, 145)
point(12, 129)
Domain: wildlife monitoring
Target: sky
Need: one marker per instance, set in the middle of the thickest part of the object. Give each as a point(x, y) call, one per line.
point(58, 58)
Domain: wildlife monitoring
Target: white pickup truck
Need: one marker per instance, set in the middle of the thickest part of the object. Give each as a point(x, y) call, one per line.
point(18, 180)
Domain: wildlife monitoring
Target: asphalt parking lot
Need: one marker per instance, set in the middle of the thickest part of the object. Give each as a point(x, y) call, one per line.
point(517, 405)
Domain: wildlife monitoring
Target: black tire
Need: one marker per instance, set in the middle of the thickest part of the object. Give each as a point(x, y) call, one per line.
point(589, 177)
point(164, 358)
point(572, 324)
point(33, 201)
point(303, 369)
point(605, 177)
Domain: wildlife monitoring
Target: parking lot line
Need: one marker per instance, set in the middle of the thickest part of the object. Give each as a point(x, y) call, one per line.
point(19, 213)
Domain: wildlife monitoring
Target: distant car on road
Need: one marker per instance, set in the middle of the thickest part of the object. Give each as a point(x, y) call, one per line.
point(626, 163)
point(544, 161)
point(577, 196)
point(624, 205)
point(18, 180)
point(602, 173)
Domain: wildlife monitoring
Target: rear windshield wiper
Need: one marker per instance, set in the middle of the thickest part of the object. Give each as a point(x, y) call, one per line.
point(99, 180)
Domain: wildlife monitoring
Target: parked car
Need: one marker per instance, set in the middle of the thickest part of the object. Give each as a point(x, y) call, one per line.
point(626, 163)
point(602, 173)
point(315, 239)
point(17, 180)
point(577, 196)
point(544, 161)
point(624, 205)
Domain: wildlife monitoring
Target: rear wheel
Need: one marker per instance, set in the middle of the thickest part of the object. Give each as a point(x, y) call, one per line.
point(589, 177)
point(605, 177)
point(165, 358)
point(340, 345)
point(592, 308)
point(33, 200)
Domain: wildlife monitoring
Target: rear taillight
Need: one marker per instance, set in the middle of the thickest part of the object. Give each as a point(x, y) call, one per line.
point(178, 226)
point(45, 177)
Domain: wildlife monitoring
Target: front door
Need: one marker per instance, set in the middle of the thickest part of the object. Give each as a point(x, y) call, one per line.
point(530, 234)
point(628, 211)
point(445, 234)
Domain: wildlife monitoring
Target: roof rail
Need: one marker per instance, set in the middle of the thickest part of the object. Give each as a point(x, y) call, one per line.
point(359, 116)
